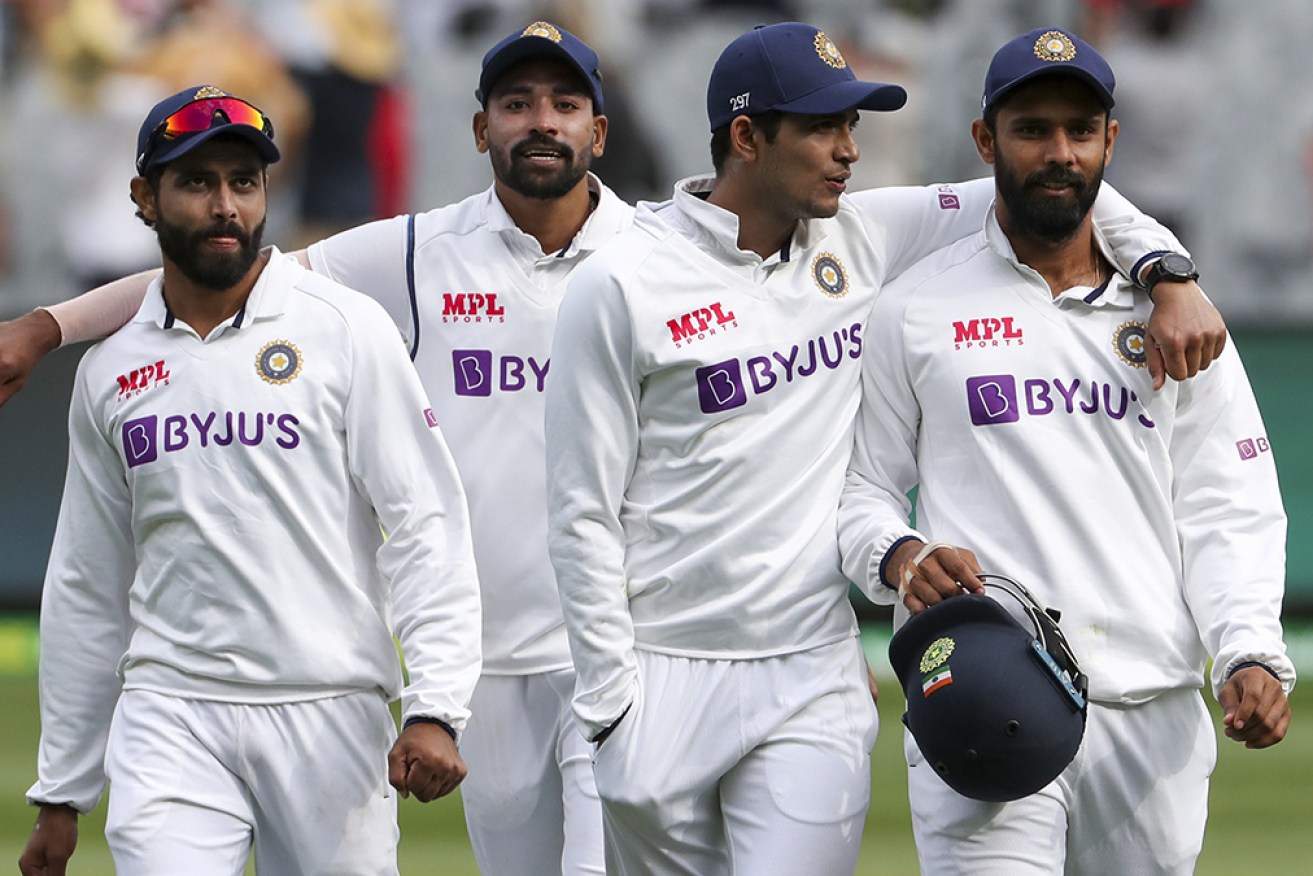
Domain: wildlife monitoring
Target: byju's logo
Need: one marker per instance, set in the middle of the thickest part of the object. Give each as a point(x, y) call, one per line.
point(725, 385)
point(994, 399)
point(1250, 448)
point(720, 386)
point(477, 372)
point(471, 307)
point(139, 380)
point(948, 199)
point(145, 438)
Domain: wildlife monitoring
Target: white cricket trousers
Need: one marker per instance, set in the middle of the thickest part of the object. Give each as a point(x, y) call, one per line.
point(1132, 803)
point(530, 803)
point(194, 782)
point(740, 767)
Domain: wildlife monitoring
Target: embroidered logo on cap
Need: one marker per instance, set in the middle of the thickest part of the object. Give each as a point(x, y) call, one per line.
point(1054, 46)
point(829, 52)
point(544, 30)
point(937, 654)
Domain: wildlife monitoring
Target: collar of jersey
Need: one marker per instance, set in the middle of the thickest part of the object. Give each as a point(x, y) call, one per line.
point(606, 219)
point(716, 230)
point(1118, 291)
point(268, 297)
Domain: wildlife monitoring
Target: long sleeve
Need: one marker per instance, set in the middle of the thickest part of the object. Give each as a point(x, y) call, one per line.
point(409, 477)
point(84, 615)
point(1230, 521)
point(591, 445)
point(914, 221)
point(874, 508)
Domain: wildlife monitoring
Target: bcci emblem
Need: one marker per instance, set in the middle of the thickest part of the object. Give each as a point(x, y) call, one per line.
point(829, 52)
point(1054, 46)
point(544, 30)
point(937, 654)
point(829, 274)
point(278, 362)
point(1128, 341)
point(207, 91)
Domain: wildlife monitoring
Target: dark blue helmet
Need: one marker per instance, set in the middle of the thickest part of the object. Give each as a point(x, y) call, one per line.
point(997, 710)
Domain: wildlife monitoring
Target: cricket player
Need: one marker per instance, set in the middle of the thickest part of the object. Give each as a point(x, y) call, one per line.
point(699, 423)
point(474, 289)
point(219, 612)
point(1151, 520)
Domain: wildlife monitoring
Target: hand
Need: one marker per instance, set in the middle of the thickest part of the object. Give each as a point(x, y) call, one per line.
point(1255, 709)
point(424, 762)
point(52, 842)
point(1186, 333)
point(23, 341)
point(949, 571)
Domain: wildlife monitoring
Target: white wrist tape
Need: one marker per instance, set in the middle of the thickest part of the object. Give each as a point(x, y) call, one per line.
point(926, 550)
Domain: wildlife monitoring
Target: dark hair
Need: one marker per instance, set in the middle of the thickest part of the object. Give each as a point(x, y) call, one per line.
point(769, 122)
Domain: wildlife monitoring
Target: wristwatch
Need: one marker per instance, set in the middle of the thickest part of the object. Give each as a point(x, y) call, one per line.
point(1173, 267)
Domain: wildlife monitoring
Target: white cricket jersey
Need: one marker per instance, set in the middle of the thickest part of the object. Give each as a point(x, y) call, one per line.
point(219, 536)
point(1152, 520)
point(699, 425)
point(478, 313)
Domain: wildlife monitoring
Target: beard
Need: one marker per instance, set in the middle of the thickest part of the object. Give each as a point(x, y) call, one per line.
point(1042, 216)
point(533, 183)
point(217, 271)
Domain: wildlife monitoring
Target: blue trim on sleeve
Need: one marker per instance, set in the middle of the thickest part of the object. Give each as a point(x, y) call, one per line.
point(425, 719)
point(410, 287)
point(1143, 263)
point(889, 553)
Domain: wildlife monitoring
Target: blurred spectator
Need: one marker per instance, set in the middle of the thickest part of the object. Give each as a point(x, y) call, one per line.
point(1154, 47)
point(346, 55)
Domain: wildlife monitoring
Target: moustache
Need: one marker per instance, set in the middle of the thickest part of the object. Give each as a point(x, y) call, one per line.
point(225, 229)
point(530, 144)
point(1056, 177)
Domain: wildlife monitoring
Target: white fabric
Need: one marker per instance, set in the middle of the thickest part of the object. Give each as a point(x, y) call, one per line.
point(219, 536)
point(746, 767)
point(196, 783)
point(699, 425)
point(1134, 800)
point(1152, 520)
point(530, 803)
point(486, 297)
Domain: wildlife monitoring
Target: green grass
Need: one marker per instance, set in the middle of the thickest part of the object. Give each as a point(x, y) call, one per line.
point(1257, 821)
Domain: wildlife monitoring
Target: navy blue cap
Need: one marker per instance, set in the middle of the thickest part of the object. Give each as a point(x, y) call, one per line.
point(793, 68)
point(1046, 51)
point(154, 148)
point(988, 706)
point(541, 40)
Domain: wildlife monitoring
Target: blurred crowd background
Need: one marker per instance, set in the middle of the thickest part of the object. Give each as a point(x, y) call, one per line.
point(372, 102)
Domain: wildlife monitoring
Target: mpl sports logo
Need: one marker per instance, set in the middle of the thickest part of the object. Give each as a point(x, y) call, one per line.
point(990, 331)
point(725, 385)
point(479, 372)
point(472, 307)
point(994, 399)
point(699, 324)
point(145, 438)
point(138, 380)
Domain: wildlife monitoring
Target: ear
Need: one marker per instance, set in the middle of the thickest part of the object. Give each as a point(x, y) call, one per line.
point(984, 140)
point(599, 135)
point(743, 139)
point(144, 197)
point(481, 130)
point(1111, 139)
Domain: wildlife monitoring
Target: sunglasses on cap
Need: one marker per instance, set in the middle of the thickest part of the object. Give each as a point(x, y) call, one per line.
point(200, 116)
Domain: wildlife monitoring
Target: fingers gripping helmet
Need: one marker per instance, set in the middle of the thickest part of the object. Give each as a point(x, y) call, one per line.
point(998, 710)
